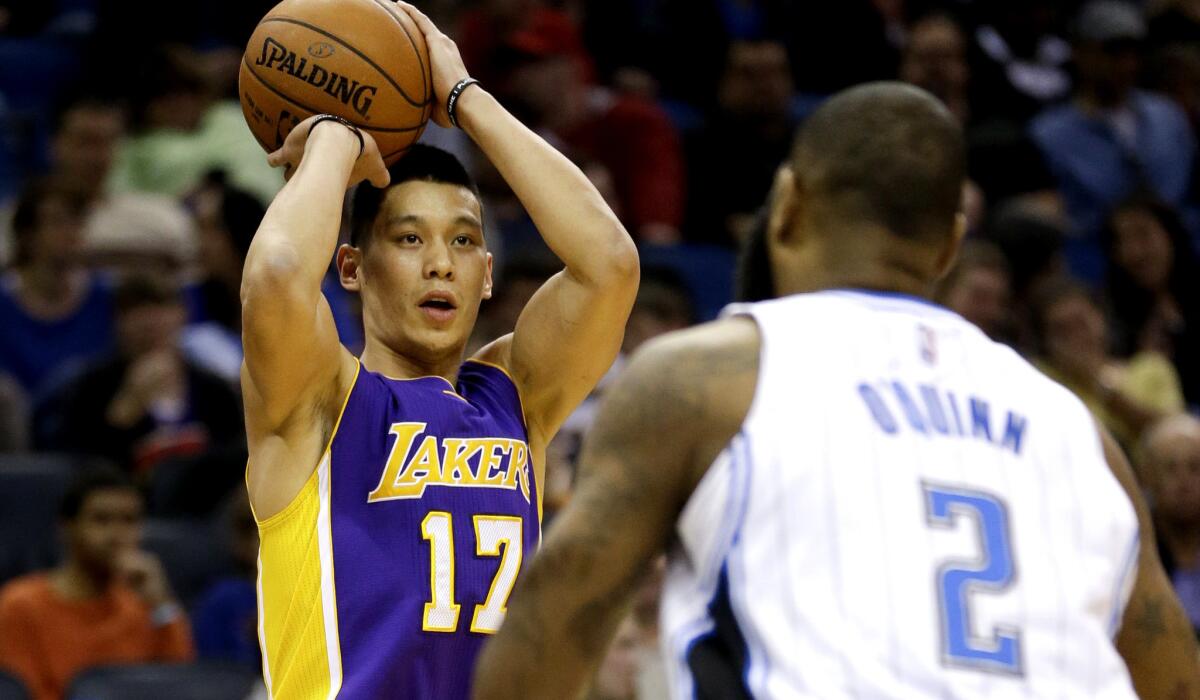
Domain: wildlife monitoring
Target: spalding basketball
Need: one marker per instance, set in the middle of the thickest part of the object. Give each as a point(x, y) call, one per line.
point(364, 60)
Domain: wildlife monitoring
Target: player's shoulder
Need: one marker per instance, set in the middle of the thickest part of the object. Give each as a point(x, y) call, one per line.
point(728, 343)
point(710, 370)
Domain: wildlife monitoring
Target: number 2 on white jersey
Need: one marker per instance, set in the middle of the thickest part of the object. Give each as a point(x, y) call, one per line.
point(992, 572)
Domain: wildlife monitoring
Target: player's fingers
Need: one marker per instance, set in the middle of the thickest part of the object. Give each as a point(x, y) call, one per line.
point(380, 177)
point(425, 24)
point(275, 158)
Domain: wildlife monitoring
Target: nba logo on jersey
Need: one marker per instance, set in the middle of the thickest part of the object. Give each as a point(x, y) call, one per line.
point(927, 340)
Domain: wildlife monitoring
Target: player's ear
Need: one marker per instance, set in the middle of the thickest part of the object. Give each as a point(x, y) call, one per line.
point(349, 265)
point(785, 203)
point(487, 278)
point(950, 248)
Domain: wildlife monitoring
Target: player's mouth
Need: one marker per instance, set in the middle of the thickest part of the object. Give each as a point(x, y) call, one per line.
point(439, 307)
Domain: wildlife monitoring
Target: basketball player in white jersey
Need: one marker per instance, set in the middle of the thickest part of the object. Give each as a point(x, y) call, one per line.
point(861, 496)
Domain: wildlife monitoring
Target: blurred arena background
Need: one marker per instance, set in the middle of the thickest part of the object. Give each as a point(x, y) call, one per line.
point(130, 187)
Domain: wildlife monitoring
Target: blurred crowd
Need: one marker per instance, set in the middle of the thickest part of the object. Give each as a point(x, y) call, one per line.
point(130, 188)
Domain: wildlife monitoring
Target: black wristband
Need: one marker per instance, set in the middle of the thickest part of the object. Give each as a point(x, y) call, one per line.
point(452, 98)
point(344, 122)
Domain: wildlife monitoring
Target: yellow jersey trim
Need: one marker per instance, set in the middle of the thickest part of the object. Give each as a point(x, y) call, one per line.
point(328, 444)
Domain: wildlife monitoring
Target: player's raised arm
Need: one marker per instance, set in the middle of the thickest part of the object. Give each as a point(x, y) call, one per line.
point(291, 346)
point(664, 422)
point(570, 332)
point(1156, 640)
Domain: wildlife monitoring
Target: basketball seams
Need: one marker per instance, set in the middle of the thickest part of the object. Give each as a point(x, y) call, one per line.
point(313, 110)
point(366, 59)
point(425, 87)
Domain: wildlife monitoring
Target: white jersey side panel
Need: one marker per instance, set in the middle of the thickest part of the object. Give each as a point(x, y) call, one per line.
point(909, 511)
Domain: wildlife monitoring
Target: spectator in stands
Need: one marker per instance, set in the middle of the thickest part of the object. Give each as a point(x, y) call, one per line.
point(1001, 157)
point(1112, 139)
point(122, 231)
point(226, 615)
point(227, 219)
point(1153, 287)
point(629, 136)
point(180, 134)
point(1170, 470)
point(53, 312)
point(732, 160)
point(935, 59)
point(979, 289)
point(107, 603)
point(1127, 396)
point(1033, 246)
point(484, 29)
point(147, 402)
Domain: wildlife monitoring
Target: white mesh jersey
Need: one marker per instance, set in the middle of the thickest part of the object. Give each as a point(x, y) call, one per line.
point(910, 510)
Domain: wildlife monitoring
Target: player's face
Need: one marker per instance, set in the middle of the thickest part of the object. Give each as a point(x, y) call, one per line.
point(425, 270)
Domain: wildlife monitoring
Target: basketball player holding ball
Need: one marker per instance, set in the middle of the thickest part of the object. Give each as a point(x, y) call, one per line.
point(398, 493)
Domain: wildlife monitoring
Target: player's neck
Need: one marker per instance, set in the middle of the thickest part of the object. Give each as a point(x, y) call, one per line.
point(875, 278)
point(379, 358)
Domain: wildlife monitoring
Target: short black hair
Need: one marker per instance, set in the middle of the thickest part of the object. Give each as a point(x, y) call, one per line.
point(887, 154)
point(89, 481)
point(422, 162)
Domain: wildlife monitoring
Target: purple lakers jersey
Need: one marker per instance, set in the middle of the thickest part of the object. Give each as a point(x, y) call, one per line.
point(387, 573)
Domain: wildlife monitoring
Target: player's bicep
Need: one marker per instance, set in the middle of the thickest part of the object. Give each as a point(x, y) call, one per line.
point(566, 338)
point(1155, 639)
point(291, 348)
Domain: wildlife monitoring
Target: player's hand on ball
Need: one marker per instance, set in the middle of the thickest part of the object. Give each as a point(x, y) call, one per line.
point(368, 166)
point(447, 64)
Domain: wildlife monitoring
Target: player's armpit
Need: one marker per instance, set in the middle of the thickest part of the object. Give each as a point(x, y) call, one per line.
point(1156, 640)
point(676, 406)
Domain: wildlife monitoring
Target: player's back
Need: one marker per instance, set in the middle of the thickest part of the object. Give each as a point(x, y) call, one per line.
point(909, 511)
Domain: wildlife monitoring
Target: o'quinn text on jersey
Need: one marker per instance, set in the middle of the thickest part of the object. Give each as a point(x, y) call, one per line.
point(446, 461)
point(933, 411)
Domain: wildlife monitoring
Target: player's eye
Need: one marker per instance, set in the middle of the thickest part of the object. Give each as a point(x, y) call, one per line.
point(410, 238)
point(463, 240)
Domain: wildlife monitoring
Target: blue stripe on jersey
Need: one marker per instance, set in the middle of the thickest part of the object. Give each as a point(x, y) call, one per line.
point(1128, 569)
point(737, 559)
point(719, 661)
point(713, 573)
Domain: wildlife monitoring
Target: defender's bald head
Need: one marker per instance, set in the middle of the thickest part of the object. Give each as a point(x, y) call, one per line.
point(885, 154)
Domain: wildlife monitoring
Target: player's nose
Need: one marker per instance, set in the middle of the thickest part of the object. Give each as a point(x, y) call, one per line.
point(439, 264)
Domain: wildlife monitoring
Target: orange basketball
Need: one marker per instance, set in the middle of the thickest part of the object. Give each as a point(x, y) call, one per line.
point(364, 60)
